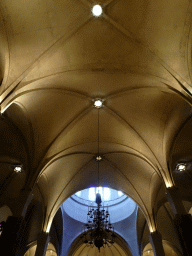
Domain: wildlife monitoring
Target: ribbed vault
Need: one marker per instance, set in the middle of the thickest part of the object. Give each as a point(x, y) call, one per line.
point(56, 58)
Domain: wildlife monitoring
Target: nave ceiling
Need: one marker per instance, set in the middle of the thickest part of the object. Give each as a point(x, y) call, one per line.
point(56, 58)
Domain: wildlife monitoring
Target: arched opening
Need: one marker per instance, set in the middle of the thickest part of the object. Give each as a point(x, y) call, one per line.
point(169, 249)
point(115, 250)
point(5, 213)
point(121, 208)
point(119, 248)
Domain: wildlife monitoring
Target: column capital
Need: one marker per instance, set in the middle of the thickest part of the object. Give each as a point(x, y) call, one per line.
point(174, 198)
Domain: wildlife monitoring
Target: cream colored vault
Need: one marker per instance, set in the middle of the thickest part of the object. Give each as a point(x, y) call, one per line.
point(56, 58)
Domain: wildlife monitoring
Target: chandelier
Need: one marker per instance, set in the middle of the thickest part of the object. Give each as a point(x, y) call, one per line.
point(98, 231)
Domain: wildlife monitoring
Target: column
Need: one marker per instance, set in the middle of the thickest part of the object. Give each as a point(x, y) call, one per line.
point(182, 220)
point(13, 231)
point(155, 239)
point(8, 238)
point(42, 243)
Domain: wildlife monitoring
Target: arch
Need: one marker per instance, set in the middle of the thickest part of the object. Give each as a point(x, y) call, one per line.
point(5, 212)
point(169, 249)
point(89, 173)
point(51, 251)
point(120, 248)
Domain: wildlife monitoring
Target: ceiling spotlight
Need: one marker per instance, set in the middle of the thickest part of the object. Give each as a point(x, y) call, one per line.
point(18, 169)
point(97, 10)
point(98, 103)
point(181, 167)
point(98, 158)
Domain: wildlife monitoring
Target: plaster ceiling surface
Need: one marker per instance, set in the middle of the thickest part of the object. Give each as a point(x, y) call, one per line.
point(56, 57)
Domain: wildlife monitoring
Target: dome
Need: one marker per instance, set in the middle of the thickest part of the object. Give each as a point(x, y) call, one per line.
point(108, 195)
point(120, 206)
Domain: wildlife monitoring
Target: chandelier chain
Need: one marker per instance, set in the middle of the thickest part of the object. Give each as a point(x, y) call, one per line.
point(98, 150)
point(98, 230)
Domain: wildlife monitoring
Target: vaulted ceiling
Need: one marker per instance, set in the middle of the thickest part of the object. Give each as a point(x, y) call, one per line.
point(56, 58)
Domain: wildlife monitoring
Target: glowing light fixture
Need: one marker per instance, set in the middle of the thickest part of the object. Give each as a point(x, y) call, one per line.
point(98, 103)
point(18, 169)
point(98, 158)
point(168, 184)
point(181, 167)
point(97, 10)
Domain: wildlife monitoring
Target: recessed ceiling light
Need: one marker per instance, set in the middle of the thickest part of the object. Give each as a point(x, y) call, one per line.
point(98, 158)
point(98, 103)
point(18, 169)
point(181, 167)
point(97, 10)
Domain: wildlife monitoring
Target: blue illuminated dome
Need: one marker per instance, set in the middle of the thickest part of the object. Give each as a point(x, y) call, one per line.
point(120, 205)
